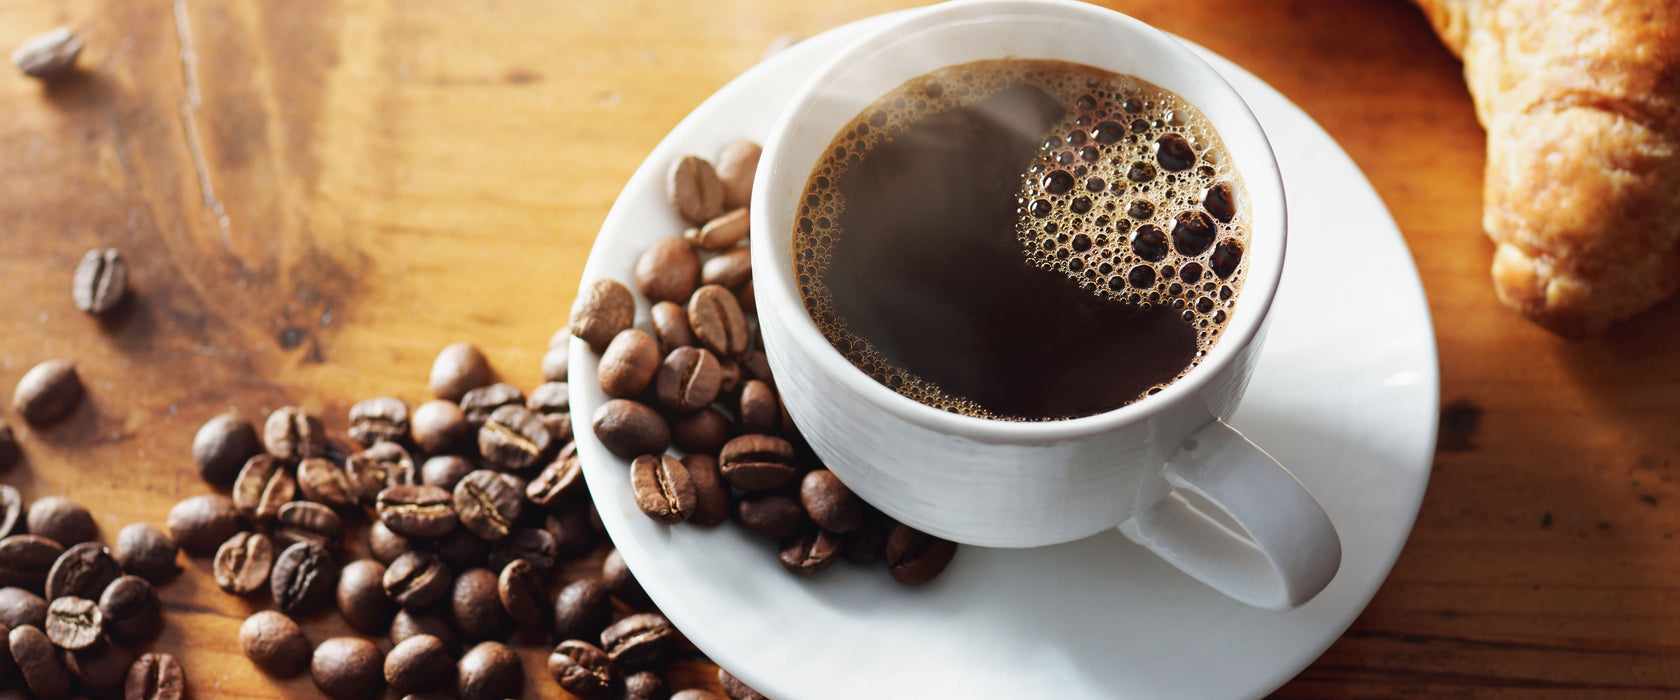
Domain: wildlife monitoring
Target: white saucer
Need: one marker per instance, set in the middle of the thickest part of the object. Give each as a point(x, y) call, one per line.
point(1345, 394)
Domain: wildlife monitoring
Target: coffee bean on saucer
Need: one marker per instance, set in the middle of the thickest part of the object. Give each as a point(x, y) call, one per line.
point(459, 368)
point(670, 325)
point(629, 429)
point(25, 560)
point(558, 483)
point(74, 623)
point(445, 471)
point(222, 446)
point(722, 232)
point(417, 511)
point(155, 677)
point(147, 552)
point(291, 434)
point(702, 432)
point(275, 644)
point(488, 502)
point(417, 580)
point(668, 270)
point(621, 582)
point(479, 403)
point(717, 321)
point(831, 505)
point(19, 607)
point(601, 311)
point(101, 669)
point(200, 524)
point(409, 624)
point(437, 426)
point(688, 380)
point(582, 609)
point(694, 190)
point(477, 608)
point(810, 552)
point(362, 599)
point(644, 685)
point(100, 282)
point(348, 668)
point(523, 594)
point(867, 544)
point(628, 364)
point(373, 469)
point(735, 689)
point(61, 520)
point(758, 410)
point(10, 454)
point(303, 579)
point(757, 462)
point(47, 392)
point(662, 489)
point(83, 570)
point(729, 269)
point(582, 669)
point(915, 557)
point(132, 610)
point(321, 481)
point(262, 487)
point(513, 438)
point(304, 521)
point(420, 663)
point(489, 671)
point(640, 640)
point(736, 165)
point(379, 418)
point(38, 662)
point(711, 494)
point(773, 515)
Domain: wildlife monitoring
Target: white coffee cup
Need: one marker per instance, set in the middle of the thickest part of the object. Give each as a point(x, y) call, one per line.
point(1166, 469)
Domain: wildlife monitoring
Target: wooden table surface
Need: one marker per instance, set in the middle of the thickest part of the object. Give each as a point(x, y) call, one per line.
point(317, 195)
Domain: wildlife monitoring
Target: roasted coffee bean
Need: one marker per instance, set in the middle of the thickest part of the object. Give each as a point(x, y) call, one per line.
point(868, 543)
point(155, 676)
point(603, 309)
point(571, 530)
point(290, 434)
point(697, 694)
point(376, 419)
point(83, 570)
point(147, 552)
point(420, 663)
point(757, 462)
point(759, 411)
point(722, 232)
point(476, 607)
point(810, 552)
point(61, 520)
point(772, 515)
point(12, 518)
point(416, 580)
point(735, 689)
point(488, 502)
point(275, 644)
point(385, 545)
point(348, 668)
point(915, 557)
point(748, 299)
point(101, 669)
point(26, 559)
point(445, 471)
point(74, 623)
point(550, 397)
point(716, 319)
point(582, 669)
point(629, 429)
point(47, 392)
point(202, 523)
point(755, 365)
point(621, 582)
point(640, 640)
point(831, 505)
point(557, 362)
point(463, 550)
point(644, 685)
point(438, 426)
point(100, 282)
point(736, 164)
point(373, 469)
point(222, 446)
point(131, 608)
point(670, 326)
point(731, 378)
point(361, 597)
point(560, 482)
point(409, 624)
point(459, 368)
point(523, 595)
point(688, 380)
point(559, 426)
point(694, 190)
point(704, 431)
point(38, 661)
point(10, 454)
point(19, 607)
point(668, 270)
point(417, 511)
point(582, 609)
point(628, 364)
point(489, 671)
point(513, 438)
point(532, 545)
point(729, 269)
point(303, 521)
point(321, 481)
point(479, 403)
point(662, 489)
point(303, 578)
point(711, 494)
point(263, 486)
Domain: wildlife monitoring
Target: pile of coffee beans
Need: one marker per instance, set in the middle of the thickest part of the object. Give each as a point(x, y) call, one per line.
point(698, 380)
point(71, 608)
point(441, 532)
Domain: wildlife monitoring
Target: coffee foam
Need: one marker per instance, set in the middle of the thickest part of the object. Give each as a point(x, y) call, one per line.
point(1099, 202)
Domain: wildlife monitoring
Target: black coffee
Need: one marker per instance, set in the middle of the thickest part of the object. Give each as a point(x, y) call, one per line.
point(1025, 240)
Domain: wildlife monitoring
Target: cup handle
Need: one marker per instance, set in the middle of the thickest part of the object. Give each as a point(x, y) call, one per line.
point(1288, 550)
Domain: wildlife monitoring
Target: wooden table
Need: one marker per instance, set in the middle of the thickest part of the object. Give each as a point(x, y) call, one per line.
point(317, 195)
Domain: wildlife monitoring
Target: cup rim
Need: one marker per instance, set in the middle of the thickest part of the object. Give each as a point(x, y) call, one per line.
point(1261, 179)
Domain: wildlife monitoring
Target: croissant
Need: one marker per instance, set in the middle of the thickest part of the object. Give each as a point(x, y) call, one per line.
point(1581, 102)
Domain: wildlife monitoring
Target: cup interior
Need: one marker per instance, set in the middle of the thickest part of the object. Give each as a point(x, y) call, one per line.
point(965, 31)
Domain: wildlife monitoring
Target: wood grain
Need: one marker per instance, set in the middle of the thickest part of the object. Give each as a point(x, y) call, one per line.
point(317, 195)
